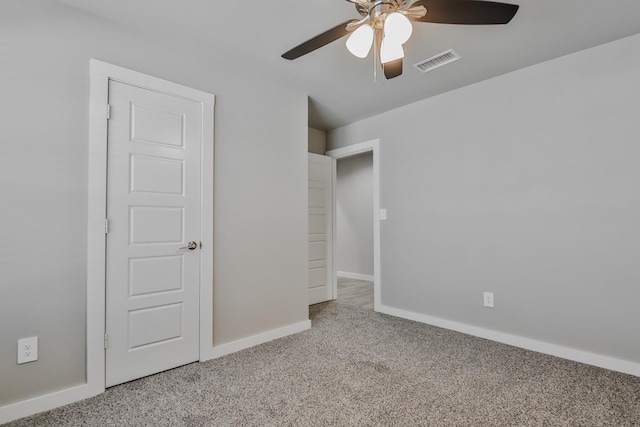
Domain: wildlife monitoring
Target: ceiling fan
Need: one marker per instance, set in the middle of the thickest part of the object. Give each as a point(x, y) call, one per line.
point(386, 25)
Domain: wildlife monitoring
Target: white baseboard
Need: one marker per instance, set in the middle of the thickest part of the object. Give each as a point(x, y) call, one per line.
point(581, 356)
point(46, 402)
point(241, 344)
point(356, 276)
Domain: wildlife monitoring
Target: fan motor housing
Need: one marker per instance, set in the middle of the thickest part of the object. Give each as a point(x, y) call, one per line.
point(378, 11)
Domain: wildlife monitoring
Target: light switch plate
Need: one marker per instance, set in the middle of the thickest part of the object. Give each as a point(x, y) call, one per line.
point(383, 214)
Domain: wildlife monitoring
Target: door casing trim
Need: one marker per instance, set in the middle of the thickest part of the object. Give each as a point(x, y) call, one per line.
point(101, 74)
point(348, 151)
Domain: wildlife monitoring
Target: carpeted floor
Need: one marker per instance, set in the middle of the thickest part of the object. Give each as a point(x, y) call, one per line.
point(357, 367)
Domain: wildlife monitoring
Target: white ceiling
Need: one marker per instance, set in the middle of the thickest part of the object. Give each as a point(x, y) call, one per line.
point(341, 89)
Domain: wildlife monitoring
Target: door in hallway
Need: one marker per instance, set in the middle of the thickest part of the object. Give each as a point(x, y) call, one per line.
point(320, 228)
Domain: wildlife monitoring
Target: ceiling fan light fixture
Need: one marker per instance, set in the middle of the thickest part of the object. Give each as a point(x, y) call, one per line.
point(390, 50)
point(388, 24)
point(397, 28)
point(360, 41)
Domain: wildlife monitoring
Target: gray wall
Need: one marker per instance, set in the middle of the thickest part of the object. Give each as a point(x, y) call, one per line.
point(525, 185)
point(260, 189)
point(354, 214)
point(317, 141)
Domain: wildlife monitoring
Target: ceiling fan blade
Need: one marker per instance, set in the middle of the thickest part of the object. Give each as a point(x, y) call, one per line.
point(351, 26)
point(466, 12)
point(318, 41)
point(392, 69)
point(415, 12)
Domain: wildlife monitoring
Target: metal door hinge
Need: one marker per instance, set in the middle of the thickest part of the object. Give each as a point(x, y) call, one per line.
point(106, 341)
point(108, 111)
point(106, 226)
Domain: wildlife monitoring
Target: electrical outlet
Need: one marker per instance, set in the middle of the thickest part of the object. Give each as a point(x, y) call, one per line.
point(488, 299)
point(27, 350)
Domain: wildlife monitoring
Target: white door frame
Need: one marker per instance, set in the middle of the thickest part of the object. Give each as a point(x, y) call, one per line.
point(348, 151)
point(101, 74)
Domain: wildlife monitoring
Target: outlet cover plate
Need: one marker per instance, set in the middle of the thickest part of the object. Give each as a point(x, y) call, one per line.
point(27, 350)
point(488, 299)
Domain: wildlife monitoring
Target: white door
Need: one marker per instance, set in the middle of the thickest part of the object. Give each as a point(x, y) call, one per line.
point(154, 211)
point(320, 228)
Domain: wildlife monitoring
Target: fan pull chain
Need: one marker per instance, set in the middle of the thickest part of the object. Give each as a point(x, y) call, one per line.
point(375, 60)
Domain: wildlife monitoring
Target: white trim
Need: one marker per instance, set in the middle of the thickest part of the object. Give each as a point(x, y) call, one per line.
point(274, 334)
point(569, 353)
point(356, 276)
point(97, 208)
point(207, 218)
point(45, 402)
point(125, 75)
point(352, 150)
point(101, 73)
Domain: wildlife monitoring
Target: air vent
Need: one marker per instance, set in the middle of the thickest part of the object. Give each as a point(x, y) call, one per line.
point(437, 61)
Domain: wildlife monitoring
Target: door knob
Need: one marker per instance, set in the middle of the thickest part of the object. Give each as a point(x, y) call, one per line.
point(191, 246)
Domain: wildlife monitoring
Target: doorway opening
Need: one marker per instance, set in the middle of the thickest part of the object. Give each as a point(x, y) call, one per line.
point(354, 230)
point(356, 237)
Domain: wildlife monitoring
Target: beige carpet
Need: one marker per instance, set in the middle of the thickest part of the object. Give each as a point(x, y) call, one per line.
point(356, 367)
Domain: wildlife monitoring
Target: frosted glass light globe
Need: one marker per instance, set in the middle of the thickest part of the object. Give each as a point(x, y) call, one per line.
point(360, 41)
point(390, 50)
point(397, 27)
